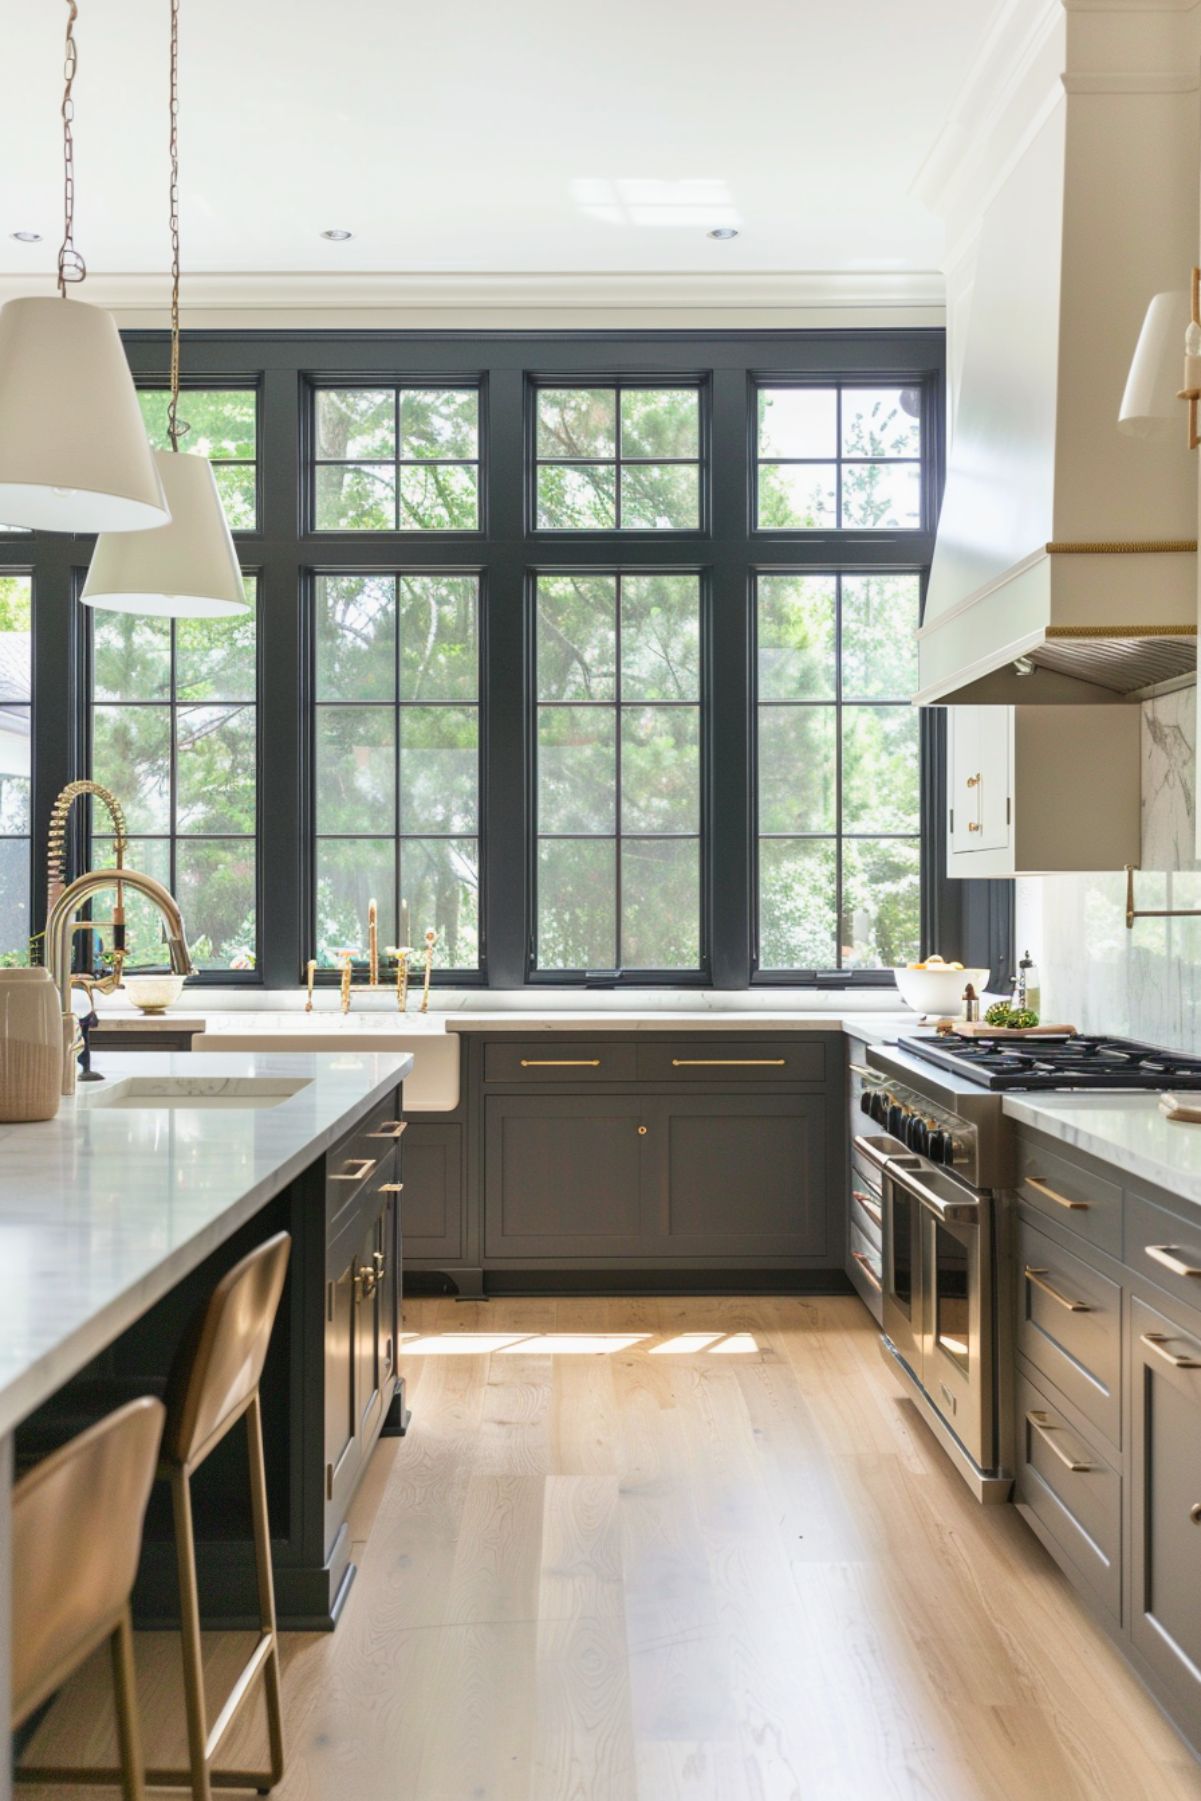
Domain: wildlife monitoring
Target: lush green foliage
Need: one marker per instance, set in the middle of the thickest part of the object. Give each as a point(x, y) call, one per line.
point(16, 596)
point(397, 459)
point(847, 457)
point(601, 459)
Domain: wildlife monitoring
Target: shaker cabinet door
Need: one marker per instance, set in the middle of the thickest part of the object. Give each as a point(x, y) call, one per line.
point(743, 1175)
point(563, 1175)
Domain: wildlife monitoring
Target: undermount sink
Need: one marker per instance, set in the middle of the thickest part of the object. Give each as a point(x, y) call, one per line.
point(217, 1094)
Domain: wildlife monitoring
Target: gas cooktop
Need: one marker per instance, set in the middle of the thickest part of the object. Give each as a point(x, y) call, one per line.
point(1057, 1063)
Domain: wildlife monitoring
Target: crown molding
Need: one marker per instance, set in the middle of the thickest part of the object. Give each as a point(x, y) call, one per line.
point(762, 297)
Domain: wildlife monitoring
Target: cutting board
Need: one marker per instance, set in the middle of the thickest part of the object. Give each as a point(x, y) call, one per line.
point(976, 1028)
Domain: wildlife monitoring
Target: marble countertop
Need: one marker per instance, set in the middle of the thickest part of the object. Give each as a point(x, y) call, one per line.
point(103, 1210)
point(1127, 1130)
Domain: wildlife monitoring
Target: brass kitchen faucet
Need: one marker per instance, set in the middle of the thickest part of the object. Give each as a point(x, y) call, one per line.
point(400, 954)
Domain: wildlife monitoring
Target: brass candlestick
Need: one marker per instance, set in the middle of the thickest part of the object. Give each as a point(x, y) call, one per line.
point(431, 938)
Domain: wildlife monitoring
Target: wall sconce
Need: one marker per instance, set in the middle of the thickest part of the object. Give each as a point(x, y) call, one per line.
point(1151, 400)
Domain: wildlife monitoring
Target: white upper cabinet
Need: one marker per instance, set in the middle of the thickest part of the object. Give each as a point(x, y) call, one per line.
point(1038, 790)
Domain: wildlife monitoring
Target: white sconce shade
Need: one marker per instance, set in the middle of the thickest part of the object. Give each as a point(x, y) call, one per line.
point(185, 570)
point(74, 456)
point(1151, 404)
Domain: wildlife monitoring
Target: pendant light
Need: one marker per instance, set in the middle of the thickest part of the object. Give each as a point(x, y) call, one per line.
point(73, 449)
point(189, 568)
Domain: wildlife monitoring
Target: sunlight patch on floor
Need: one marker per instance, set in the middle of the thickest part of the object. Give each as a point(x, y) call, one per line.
point(571, 1344)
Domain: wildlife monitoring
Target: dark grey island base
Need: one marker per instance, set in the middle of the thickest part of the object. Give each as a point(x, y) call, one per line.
point(653, 1162)
point(330, 1390)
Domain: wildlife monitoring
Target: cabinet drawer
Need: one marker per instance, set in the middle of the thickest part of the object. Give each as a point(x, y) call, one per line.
point(1072, 1195)
point(725, 1061)
point(1070, 1327)
point(554, 1060)
point(1066, 1483)
point(1166, 1250)
point(360, 1156)
point(867, 1217)
point(366, 1202)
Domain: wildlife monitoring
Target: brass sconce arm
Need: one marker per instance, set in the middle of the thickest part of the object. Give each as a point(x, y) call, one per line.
point(1133, 912)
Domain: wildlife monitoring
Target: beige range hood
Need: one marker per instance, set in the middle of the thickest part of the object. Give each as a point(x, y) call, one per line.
point(1065, 564)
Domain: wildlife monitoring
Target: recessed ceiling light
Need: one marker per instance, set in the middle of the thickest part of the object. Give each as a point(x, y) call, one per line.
point(337, 237)
point(722, 232)
point(26, 237)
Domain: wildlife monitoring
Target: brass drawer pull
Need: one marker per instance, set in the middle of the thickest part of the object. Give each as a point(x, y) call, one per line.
point(389, 1128)
point(1165, 1254)
point(362, 1168)
point(861, 1259)
point(1194, 1513)
point(728, 1062)
point(391, 1188)
point(1036, 1276)
point(366, 1281)
point(872, 1208)
point(1044, 1428)
point(1061, 1200)
point(560, 1063)
point(973, 781)
point(1158, 1342)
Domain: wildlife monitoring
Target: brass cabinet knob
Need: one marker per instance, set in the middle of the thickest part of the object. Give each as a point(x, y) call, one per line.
point(972, 826)
point(973, 781)
point(642, 1131)
point(1194, 1513)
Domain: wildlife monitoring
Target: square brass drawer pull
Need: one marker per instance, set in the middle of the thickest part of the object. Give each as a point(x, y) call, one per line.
point(1037, 1277)
point(1061, 1200)
point(728, 1062)
point(862, 1260)
point(560, 1063)
point(389, 1128)
point(1166, 1254)
point(1043, 1426)
point(391, 1187)
point(1158, 1342)
point(358, 1169)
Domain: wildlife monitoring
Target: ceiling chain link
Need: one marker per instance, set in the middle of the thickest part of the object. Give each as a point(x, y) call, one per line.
point(176, 427)
point(71, 266)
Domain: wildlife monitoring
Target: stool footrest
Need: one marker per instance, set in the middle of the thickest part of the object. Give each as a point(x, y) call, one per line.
point(97, 1776)
point(238, 1693)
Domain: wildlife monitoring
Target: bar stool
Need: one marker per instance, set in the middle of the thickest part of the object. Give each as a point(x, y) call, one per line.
point(76, 1537)
point(213, 1383)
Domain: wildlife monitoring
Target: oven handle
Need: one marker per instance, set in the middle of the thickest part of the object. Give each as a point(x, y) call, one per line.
point(965, 1213)
point(881, 1160)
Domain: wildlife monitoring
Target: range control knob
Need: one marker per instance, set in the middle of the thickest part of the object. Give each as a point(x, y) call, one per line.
point(917, 1134)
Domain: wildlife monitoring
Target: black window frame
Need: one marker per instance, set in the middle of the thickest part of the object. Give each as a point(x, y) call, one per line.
point(697, 382)
point(284, 365)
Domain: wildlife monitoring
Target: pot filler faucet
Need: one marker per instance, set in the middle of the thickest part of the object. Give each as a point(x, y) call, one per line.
point(60, 932)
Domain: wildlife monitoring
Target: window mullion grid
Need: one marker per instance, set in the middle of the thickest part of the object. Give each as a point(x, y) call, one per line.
point(838, 760)
point(618, 721)
point(398, 842)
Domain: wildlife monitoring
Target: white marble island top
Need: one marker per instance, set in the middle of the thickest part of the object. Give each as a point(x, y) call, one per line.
point(1127, 1130)
point(104, 1209)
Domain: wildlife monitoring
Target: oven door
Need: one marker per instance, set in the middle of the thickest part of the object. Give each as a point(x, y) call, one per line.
point(901, 1262)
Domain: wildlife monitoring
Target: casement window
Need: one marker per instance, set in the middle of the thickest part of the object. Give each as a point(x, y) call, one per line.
point(396, 459)
point(618, 771)
point(222, 426)
point(838, 458)
point(838, 770)
point(396, 761)
point(16, 673)
point(619, 457)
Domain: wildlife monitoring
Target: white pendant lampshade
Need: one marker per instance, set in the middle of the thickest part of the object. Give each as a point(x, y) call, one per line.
point(74, 456)
point(1151, 404)
point(185, 570)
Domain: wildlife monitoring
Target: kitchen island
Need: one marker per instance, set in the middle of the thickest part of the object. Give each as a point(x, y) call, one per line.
point(116, 1218)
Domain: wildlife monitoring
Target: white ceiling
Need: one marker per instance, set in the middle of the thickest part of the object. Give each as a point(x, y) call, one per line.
point(462, 135)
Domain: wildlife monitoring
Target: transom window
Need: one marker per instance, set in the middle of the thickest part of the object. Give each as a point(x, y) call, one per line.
point(838, 458)
point(224, 428)
point(618, 710)
point(174, 730)
point(397, 459)
point(618, 458)
point(838, 771)
point(397, 762)
point(16, 615)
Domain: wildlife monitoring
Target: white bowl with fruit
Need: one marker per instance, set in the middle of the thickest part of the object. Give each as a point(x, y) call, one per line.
point(936, 988)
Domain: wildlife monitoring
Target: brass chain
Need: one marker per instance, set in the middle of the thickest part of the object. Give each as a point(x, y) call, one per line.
point(176, 427)
point(71, 266)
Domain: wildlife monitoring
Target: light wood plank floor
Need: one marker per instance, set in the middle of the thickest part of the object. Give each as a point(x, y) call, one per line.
point(672, 1573)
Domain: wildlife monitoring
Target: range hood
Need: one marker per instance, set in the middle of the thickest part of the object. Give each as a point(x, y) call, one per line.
point(1065, 561)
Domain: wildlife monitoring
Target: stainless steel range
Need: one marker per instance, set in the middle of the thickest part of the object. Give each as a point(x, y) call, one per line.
point(942, 1151)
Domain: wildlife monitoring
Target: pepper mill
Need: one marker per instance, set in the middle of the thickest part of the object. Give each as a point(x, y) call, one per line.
point(971, 1005)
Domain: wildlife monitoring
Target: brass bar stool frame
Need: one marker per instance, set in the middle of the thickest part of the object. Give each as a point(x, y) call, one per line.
point(214, 1383)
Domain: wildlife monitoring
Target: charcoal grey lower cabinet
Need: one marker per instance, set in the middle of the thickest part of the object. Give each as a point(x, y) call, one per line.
point(433, 1196)
point(648, 1177)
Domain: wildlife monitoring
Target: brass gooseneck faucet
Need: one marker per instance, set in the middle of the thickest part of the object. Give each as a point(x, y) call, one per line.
point(56, 868)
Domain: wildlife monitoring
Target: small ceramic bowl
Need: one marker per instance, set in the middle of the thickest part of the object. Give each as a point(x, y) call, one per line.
point(938, 991)
point(153, 994)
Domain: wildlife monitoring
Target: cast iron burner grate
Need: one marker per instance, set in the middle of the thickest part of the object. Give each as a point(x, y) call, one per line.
point(1052, 1063)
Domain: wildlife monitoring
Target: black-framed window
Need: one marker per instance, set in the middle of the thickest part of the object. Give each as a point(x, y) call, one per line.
point(222, 425)
point(618, 456)
point(838, 766)
point(402, 458)
point(841, 456)
point(174, 735)
point(618, 749)
point(16, 723)
point(396, 760)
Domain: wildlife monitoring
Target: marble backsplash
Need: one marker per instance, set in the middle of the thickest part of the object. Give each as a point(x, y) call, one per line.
point(1097, 975)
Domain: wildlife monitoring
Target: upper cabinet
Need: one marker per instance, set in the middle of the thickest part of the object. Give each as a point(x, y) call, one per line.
point(1038, 790)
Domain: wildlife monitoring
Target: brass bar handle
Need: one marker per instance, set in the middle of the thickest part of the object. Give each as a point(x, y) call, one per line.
point(361, 1168)
point(391, 1188)
point(869, 1075)
point(560, 1063)
point(1060, 1200)
point(1044, 1428)
point(1194, 1513)
point(873, 1210)
point(389, 1128)
point(1037, 1277)
point(861, 1259)
point(380, 1260)
point(728, 1062)
point(1158, 1342)
point(1165, 1254)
